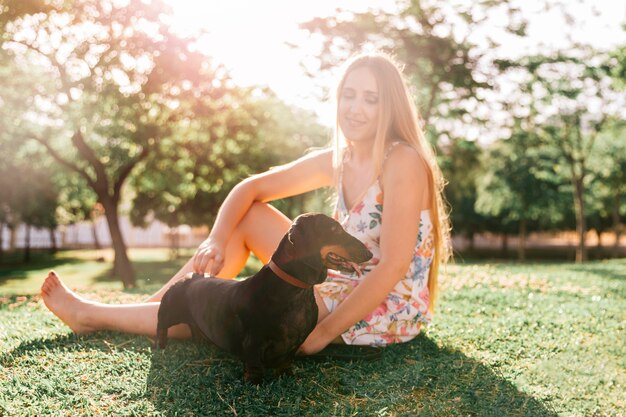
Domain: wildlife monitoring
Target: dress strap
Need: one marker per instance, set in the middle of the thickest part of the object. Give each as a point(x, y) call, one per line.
point(387, 152)
point(393, 145)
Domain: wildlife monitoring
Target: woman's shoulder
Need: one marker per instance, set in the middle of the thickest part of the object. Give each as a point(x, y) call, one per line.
point(319, 154)
point(401, 157)
point(321, 157)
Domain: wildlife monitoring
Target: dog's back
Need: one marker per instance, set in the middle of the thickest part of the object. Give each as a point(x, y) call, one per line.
point(260, 314)
point(175, 308)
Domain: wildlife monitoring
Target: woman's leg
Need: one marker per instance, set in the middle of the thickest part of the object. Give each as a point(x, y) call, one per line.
point(84, 316)
point(260, 231)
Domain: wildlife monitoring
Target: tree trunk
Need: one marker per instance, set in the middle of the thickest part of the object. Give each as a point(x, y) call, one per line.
point(599, 237)
point(521, 247)
point(121, 264)
point(12, 238)
point(174, 242)
point(581, 225)
point(617, 227)
point(1, 240)
point(96, 241)
point(53, 241)
point(64, 237)
point(27, 245)
point(472, 243)
point(504, 248)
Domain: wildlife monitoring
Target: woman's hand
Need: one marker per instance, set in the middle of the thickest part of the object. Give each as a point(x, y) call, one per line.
point(315, 342)
point(209, 257)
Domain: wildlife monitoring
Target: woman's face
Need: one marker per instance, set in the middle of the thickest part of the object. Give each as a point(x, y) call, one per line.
point(358, 105)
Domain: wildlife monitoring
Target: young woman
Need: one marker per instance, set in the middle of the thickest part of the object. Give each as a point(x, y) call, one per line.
point(389, 196)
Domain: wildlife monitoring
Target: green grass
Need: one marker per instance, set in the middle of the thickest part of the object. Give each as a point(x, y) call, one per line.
point(507, 340)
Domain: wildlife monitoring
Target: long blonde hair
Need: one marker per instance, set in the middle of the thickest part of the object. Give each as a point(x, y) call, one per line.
point(398, 120)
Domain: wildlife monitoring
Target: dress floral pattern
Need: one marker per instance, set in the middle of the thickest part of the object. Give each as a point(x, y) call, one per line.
point(400, 316)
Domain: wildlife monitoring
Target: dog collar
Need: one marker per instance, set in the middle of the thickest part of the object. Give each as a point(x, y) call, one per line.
point(286, 277)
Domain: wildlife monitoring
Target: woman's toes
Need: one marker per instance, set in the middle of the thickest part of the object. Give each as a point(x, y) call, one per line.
point(65, 304)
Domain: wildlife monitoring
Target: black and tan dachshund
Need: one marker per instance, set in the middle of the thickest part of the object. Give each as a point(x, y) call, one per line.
point(266, 317)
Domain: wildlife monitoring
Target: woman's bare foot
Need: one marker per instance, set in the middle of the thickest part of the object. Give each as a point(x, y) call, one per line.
point(65, 304)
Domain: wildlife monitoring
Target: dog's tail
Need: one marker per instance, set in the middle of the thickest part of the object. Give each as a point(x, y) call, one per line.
point(162, 326)
point(161, 337)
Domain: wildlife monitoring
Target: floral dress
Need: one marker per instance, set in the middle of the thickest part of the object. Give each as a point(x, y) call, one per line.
point(399, 317)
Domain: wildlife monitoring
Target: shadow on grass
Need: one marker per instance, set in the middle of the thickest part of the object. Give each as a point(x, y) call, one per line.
point(147, 272)
point(159, 272)
point(615, 270)
point(415, 378)
point(69, 342)
point(13, 267)
point(410, 379)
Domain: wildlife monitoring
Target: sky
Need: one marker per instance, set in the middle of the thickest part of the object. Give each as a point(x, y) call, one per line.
point(250, 37)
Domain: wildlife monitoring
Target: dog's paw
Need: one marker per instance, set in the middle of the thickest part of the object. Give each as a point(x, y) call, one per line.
point(253, 374)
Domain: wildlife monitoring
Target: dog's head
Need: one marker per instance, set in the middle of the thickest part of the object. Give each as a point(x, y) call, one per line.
point(319, 242)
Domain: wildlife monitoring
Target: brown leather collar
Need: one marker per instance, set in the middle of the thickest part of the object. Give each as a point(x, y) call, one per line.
point(286, 277)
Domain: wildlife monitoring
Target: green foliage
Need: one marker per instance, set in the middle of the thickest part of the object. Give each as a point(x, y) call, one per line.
point(77, 202)
point(461, 166)
point(615, 66)
point(607, 189)
point(188, 178)
point(519, 182)
point(29, 194)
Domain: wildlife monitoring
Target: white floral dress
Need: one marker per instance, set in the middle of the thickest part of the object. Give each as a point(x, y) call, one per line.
point(399, 317)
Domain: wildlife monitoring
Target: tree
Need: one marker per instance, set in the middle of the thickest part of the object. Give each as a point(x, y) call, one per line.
point(186, 181)
point(115, 76)
point(36, 203)
point(77, 203)
point(16, 98)
point(520, 186)
point(461, 166)
point(30, 197)
point(608, 187)
point(567, 98)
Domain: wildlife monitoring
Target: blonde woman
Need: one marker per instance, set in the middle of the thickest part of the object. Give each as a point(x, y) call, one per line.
point(389, 196)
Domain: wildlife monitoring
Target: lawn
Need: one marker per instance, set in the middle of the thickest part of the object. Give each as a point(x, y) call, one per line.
point(507, 340)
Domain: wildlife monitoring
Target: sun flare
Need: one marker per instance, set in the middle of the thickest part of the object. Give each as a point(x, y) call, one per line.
point(250, 38)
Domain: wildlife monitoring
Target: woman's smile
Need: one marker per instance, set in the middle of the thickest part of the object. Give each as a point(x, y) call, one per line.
point(358, 105)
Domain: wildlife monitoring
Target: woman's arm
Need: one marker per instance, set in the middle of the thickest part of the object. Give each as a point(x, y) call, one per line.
point(406, 194)
point(310, 172)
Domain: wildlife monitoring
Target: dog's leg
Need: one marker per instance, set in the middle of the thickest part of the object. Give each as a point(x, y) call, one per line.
point(253, 372)
point(161, 337)
point(284, 369)
point(252, 363)
point(196, 334)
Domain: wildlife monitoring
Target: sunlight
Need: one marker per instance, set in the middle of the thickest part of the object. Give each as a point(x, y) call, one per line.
point(250, 38)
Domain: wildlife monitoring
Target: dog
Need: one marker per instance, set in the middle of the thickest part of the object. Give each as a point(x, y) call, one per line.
point(265, 318)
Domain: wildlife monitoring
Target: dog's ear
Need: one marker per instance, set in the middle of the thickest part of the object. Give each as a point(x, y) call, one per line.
point(293, 235)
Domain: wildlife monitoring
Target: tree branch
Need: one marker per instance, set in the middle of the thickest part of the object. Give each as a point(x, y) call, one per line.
point(597, 128)
point(434, 89)
point(57, 157)
point(87, 153)
point(127, 169)
point(55, 63)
